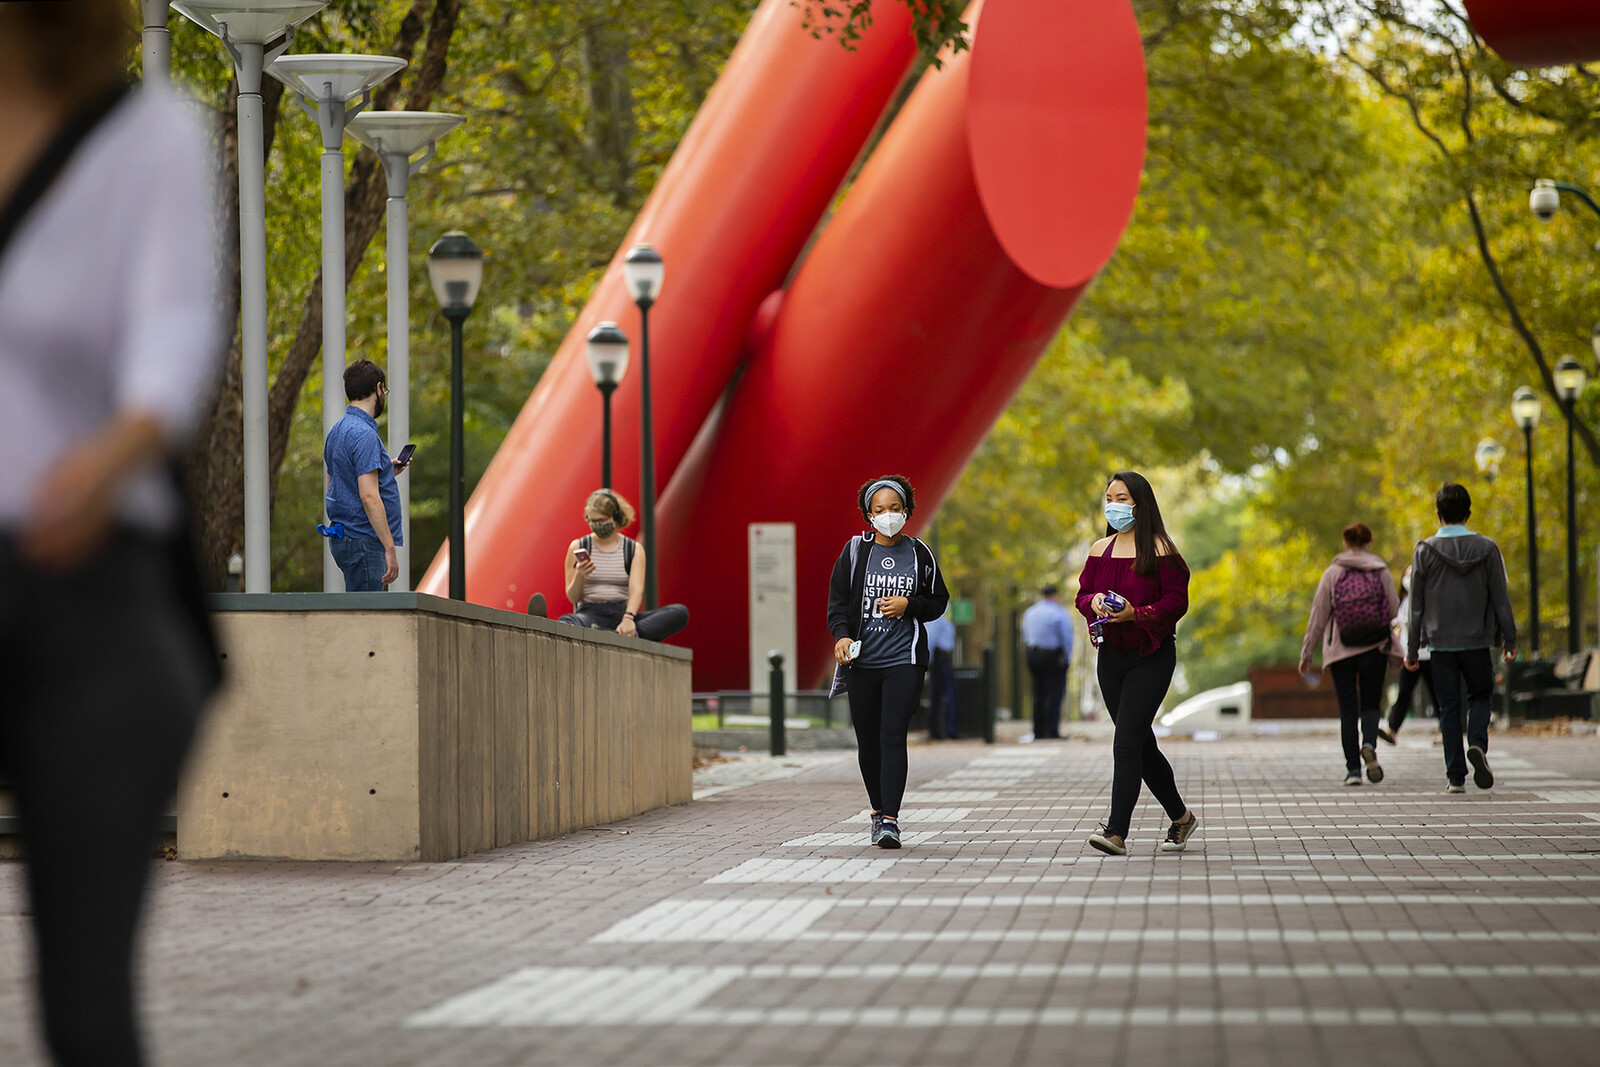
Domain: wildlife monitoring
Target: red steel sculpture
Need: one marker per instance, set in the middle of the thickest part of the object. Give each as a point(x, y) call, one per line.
point(999, 190)
point(1539, 33)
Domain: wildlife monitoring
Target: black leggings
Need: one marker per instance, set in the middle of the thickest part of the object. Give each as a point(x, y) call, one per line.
point(882, 702)
point(1408, 689)
point(1134, 686)
point(102, 684)
point(656, 625)
point(1358, 681)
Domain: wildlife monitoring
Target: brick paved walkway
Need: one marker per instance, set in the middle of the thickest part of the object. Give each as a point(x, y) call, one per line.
point(1309, 924)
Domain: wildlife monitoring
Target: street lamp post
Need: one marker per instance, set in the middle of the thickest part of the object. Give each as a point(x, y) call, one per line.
point(644, 271)
point(333, 89)
point(608, 362)
point(397, 137)
point(1488, 455)
point(1570, 379)
point(1525, 410)
point(455, 267)
point(155, 42)
point(254, 32)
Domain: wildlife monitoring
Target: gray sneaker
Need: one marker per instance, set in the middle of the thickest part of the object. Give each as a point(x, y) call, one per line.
point(877, 828)
point(1353, 778)
point(1482, 776)
point(888, 835)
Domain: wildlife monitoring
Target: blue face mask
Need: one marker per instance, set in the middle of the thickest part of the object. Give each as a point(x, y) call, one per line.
point(1120, 516)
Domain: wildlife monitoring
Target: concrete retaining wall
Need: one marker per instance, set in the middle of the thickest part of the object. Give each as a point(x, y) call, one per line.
point(390, 726)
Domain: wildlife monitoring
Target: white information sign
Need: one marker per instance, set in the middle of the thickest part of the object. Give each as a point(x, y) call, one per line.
point(772, 610)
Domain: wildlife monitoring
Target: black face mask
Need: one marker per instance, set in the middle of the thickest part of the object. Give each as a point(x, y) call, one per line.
point(383, 403)
point(602, 528)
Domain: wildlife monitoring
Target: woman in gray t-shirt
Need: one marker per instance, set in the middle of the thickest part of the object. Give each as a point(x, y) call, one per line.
point(885, 588)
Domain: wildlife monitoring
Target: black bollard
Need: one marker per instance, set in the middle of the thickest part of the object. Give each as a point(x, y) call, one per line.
point(991, 694)
point(779, 747)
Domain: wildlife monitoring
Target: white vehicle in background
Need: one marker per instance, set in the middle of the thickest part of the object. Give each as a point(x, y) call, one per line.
point(1211, 710)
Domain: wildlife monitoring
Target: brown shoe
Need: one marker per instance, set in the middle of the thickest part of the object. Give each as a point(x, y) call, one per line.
point(1178, 834)
point(1110, 844)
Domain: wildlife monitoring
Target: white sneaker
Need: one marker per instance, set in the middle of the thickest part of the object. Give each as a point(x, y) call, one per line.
point(1353, 778)
point(1452, 787)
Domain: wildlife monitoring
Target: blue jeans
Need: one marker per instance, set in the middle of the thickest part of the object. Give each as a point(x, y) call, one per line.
point(361, 561)
point(1471, 670)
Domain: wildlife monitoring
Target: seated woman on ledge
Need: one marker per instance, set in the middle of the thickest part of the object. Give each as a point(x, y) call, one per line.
point(605, 576)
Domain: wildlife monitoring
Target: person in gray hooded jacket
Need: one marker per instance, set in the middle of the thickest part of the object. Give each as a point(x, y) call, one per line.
point(1460, 609)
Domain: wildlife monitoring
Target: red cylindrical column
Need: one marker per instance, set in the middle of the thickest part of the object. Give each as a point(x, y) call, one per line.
point(733, 209)
point(910, 325)
point(1539, 33)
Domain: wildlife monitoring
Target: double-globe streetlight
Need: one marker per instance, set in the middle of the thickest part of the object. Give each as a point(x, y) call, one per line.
point(455, 267)
point(397, 137)
point(255, 32)
point(1525, 411)
point(1570, 379)
point(607, 352)
point(333, 89)
point(1488, 455)
point(644, 272)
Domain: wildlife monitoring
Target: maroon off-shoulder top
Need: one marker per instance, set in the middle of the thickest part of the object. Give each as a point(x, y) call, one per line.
point(1159, 600)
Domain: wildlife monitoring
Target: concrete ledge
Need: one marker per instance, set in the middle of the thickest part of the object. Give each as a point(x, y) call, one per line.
point(397, 726)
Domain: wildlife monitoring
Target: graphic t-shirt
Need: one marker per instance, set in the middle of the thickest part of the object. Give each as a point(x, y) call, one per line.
point(891, 571)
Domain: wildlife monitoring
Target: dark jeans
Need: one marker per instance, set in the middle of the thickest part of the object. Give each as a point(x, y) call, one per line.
point(1407, 694)
point(942, 696)
point(103, 680)
point(362, 562)
point(657, 625)
point(882, 702)
point(1048, 668)
point(1358, 681)
point(1453, 672)
point(1134, 687)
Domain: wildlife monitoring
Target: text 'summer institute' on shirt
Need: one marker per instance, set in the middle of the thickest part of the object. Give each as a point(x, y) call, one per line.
point(891, 571)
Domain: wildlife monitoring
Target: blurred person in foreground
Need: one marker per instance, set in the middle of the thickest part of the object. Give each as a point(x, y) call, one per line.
point(109, 333)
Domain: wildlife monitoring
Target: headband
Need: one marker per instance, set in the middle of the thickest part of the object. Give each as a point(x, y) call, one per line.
point(883, 483)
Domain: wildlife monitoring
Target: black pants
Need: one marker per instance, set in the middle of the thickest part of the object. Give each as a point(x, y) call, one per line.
point(103, 681)
point(882, 702)
point(1048, 669)
point(657, 625)
point(1134, 686)
point(942, 696)
point(1358, 681)
point(1471, 671)
point(1408, 690)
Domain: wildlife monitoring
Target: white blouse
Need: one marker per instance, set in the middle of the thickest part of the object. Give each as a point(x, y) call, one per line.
point(108, 300)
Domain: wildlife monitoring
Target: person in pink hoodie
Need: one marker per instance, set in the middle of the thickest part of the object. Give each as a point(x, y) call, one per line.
point(1350, 616)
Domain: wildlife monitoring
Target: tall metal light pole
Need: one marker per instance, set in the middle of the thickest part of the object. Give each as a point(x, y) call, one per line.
point(155, 42)
point(397, 136)
point(333, 89)
point(644, 271)
point(608, 361)
point(254, 32)
point(1570, 379)
point(455, 266)
point(1525, 410)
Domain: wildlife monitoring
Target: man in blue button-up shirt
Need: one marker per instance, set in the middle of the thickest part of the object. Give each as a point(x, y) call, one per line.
point(363, 499)
point(1047, 638)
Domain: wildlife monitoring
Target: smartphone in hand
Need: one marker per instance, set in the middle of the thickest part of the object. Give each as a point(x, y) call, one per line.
point(405, 455)
point(581, 555)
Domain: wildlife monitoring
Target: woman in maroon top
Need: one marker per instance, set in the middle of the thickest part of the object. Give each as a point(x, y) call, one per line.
point(1138, 562)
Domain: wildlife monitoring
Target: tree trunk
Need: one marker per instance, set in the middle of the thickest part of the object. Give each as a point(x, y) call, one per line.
point(610, 126)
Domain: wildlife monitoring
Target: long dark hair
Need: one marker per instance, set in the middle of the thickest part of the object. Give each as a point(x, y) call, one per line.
point(1149, 532)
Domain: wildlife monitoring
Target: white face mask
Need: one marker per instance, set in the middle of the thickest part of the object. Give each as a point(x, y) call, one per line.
point(888, 523)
